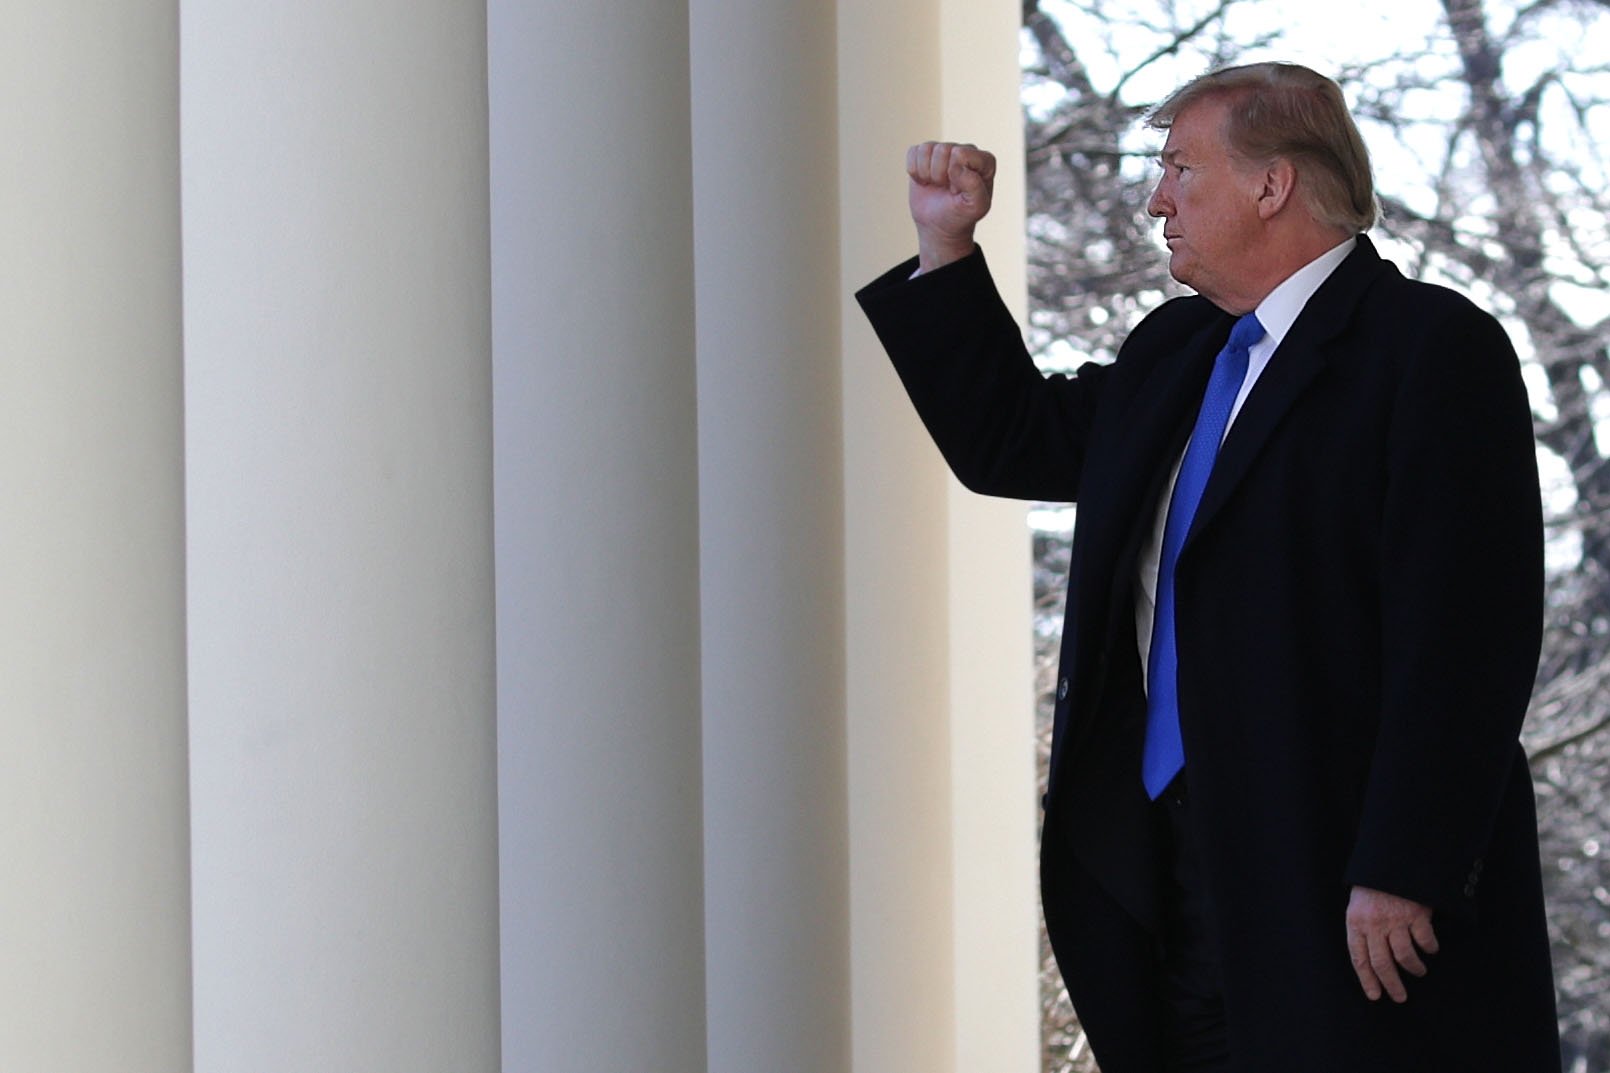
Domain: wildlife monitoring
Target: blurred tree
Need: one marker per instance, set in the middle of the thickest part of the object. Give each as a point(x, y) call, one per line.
point(1487, 135)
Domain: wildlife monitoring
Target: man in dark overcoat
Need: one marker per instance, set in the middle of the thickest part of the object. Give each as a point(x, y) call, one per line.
point(1288, 826)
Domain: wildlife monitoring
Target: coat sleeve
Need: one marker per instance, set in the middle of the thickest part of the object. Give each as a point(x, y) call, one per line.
point(1003, 427)
point(1461, 614)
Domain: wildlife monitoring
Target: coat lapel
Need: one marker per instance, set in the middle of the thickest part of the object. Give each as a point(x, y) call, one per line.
point(1301, 357)
point(1158, 435)
point(1152, 434)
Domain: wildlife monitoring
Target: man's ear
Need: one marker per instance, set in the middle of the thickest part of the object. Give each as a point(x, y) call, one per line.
point(1277, 186)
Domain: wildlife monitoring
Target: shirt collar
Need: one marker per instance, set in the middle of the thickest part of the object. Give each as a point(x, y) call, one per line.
point(1280, 309)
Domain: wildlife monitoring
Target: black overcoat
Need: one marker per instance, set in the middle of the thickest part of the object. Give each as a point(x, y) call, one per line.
point(1358, 620)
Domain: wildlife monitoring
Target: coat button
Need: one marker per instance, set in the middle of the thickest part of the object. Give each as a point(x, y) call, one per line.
point(1062, 688)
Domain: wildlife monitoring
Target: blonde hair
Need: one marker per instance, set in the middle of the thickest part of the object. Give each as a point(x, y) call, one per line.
point(1285, 110)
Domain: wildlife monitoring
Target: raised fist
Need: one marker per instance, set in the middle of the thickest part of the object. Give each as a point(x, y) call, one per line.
point(951, 187)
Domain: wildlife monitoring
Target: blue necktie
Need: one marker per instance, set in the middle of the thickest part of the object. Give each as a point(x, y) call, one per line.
point(1164, 753)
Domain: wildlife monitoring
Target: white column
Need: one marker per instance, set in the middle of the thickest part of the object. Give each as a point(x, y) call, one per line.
point(339, 450)
point(939, 699)
point(991, 595)
point(597, 538)
point(896, 576)
point(772, 518)
point(94, 909)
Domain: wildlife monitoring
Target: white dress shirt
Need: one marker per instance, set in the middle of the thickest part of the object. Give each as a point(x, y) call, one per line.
point(1277, 313)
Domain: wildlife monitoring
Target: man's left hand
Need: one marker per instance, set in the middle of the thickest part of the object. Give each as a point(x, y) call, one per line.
point(1386, 933)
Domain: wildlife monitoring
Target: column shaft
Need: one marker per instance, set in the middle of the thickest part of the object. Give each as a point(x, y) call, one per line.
point(996, 940)
point(597, 537)
point(339, 446)
point(940, 712)
point(771, 518)
point(95, 905)
point(896, 575)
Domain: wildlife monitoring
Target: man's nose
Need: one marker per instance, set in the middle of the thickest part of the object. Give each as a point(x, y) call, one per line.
point(1157, 204)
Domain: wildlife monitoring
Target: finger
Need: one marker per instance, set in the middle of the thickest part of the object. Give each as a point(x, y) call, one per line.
point(918, 163)
point(1358, 949)
point(1404, 953)
point(1386, 969)
point(1425, 937)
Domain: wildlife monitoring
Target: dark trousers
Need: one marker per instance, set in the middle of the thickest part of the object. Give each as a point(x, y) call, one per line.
point(1192, 990)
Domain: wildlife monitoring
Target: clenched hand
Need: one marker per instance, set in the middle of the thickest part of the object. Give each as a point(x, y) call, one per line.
point(951, 187)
